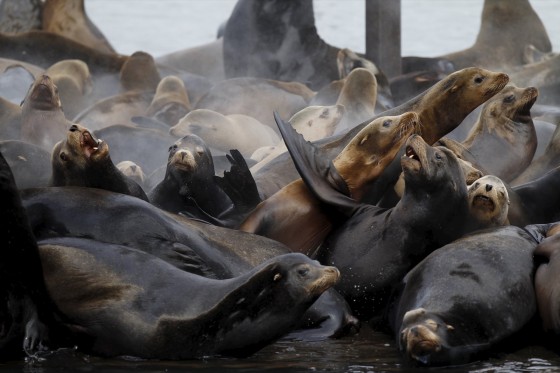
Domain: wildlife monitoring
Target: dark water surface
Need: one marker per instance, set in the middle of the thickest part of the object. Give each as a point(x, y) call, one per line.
point(368, 351)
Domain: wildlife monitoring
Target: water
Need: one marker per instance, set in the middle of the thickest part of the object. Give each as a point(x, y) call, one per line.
point(166, 26)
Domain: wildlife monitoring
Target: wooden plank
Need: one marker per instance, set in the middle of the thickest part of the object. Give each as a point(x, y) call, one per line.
point(383, 35)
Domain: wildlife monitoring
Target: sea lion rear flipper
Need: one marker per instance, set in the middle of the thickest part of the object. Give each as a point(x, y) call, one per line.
point(318, 173)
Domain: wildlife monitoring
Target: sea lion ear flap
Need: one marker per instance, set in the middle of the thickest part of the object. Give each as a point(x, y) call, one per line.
point(450, 327)
point(277, 277)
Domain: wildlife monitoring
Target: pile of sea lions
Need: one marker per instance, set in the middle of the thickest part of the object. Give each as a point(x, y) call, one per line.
point(267, 184)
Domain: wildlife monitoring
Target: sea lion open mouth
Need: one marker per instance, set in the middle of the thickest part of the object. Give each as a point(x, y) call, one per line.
point(410, 153)
point(484, 202)
point(89, 144)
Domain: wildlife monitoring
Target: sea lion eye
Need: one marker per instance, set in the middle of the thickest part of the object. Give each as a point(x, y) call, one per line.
point(438, 156)
point(387, 123)
point(63, 156)
point(172, 147)
point(303, 271)
point(479, 79)
point(509, 99)
point(325, 113)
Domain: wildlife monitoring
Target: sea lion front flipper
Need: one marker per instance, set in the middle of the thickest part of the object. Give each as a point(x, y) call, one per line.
point(238, 183)
point(318, 173)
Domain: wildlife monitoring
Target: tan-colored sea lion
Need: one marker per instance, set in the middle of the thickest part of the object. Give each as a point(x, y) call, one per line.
point(69, 19)
point(488, 203)
point(504, 140)
point(507, 27)
point(171, 101)
point(224, 132)
point(295, 217)
point(74, 83)
point(312, 122)
point(42, 120)
point(462, 91)
point(230, 97)
point(134, 171)
point(358, 96)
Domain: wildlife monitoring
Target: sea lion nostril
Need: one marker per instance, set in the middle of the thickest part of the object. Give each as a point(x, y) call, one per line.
point(488, 187)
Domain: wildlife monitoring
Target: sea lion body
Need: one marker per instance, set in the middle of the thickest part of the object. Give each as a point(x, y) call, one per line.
point(131, 303)
point(546, 285)
point(375, 247)
point(467, 296)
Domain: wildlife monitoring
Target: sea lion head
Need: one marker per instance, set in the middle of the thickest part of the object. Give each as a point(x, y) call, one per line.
point(428, 168)
point(189, 157)
point(488, 201)
point(72, 157)
point(42, 95)
point(423, 336)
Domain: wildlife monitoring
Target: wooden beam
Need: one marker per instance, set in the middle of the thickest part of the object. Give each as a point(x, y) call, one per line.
point(383, 35)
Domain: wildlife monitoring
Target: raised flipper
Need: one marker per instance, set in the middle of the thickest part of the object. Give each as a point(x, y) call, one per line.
point(318, 173)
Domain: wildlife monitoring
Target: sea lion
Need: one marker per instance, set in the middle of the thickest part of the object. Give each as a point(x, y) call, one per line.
point(230, 97)
point(312, 122)
point(15, 81)
point(546, 286)
point(133, 171)
point(488, 203)
point(190, 176)
point(42, 120)
point(70, 19)
point(45, 49)
point(30, 164)
point(10, 119)
point(358, 96)
point(541, 165)
point(74, 83)
point(25, 305)
point(466, 297)
point(104, 291)
point(188, 244)
point(225, 132)
point(171, 101)
point(83, 160)
point(115, 109)
point(505, 127)
point(139, 73)
point(506, 28)
point(463, 90)
point(295, 217)
point(375, 247)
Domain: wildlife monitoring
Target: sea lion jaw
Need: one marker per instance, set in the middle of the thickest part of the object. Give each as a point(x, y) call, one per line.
point(414, 157)
point(43, 95)
point(183, 159)
point(424, 337)
point(81, 139)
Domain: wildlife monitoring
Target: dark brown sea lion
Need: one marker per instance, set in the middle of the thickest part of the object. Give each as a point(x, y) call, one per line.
point(105, 291)
point(188, 244)
point(463, 91)
point(68, 18)
point(507, 27)
point(43, 122)
point(25, 305)
point(375, 247)
point(83, 160)
point(504, 139)
point(546, 284)
point(466, 297)
point(189, 177)
point(45, 49)
point(295, 217)
point(30, 164)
